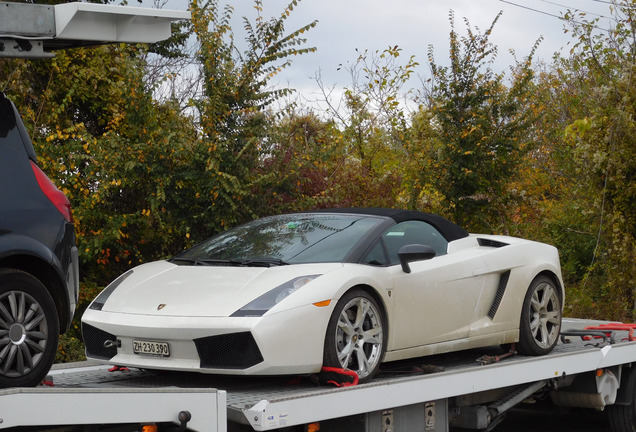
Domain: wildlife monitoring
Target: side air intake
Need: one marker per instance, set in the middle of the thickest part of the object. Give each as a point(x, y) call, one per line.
point(501, 289)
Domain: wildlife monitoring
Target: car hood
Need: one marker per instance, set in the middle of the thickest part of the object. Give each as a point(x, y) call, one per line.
point(165, 289)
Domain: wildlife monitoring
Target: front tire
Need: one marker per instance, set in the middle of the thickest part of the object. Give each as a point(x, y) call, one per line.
point(540, 318)
point(356, 335)
point(29, 329)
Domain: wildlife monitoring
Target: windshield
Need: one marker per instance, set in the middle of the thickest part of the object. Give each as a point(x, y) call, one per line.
point(295, 238)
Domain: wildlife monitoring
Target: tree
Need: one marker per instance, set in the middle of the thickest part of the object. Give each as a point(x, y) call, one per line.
point(371, 117)
point(422, 146)
point(482, 124)
point(232, 112)
point(557, 202)
point(307, 157)
point(604, 153)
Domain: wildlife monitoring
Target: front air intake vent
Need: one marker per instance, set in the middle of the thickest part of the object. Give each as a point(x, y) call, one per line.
point(94, 339)
point(228, 351)
point(491, 243)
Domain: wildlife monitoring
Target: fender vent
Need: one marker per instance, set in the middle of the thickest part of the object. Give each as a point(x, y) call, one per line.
point(94, 339)
point(491, 243)
point(501, 289)
point(228, 351)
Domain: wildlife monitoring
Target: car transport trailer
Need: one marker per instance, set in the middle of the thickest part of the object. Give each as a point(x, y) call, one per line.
point(470, 390)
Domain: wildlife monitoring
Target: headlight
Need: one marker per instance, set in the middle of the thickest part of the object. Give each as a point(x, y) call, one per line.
point(262, 304)
point(99, 301)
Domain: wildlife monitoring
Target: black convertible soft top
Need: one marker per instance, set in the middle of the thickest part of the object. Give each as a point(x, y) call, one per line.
point(448, 229)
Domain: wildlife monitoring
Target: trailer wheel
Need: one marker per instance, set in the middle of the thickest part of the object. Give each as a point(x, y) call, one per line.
point(540, 318)
point(622, 414)
point(29, 329)
point(356, 335)
point(622, 418)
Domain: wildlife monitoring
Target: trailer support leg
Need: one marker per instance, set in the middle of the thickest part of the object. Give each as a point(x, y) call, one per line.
point(486, 417)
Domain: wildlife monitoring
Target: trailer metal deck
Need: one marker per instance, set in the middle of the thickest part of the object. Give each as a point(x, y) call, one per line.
point(85, 393)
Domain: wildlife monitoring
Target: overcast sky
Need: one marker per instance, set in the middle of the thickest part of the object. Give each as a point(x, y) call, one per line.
point(413, 25)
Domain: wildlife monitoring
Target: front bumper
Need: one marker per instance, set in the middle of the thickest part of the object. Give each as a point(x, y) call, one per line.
point(288, 342)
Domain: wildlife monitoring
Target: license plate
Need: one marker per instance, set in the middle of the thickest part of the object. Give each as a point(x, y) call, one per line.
point(151, 348)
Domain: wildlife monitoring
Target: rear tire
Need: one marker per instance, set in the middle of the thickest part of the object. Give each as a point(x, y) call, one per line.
point(622, 418)
point(622, 415)
point(540, 318)
point(29, 329)
point(356, 335)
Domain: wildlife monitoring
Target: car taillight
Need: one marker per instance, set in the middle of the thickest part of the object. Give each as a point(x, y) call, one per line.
point(55, 195)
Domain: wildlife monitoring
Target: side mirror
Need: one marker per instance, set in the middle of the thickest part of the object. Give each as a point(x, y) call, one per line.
point(414, 252)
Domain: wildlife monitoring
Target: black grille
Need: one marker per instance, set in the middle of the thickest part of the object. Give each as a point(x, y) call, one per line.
point(94, 339)
point(491, 243)
point(228, 351)
point(501, 289)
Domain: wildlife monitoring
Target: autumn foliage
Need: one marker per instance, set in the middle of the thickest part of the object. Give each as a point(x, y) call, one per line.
point(543, 152)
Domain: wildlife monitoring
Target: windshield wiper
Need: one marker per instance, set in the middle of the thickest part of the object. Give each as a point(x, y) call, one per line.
point(206, 261)
point(180, 259)
point(216, 261)
point(264, 262)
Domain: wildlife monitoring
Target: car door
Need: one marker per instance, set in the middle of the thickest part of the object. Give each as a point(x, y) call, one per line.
point(438, 299)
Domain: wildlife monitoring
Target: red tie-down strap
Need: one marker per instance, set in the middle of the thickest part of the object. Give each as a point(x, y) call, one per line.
point(338, 377)
point(609, 327)
point(48, 382)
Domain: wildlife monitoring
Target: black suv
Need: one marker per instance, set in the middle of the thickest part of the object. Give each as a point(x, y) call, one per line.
point(39, 278)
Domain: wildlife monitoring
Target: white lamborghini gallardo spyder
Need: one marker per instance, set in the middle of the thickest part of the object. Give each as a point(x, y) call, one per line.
point(346, 288)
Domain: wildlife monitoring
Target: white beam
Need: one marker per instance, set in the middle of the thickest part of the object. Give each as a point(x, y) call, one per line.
point(31, 30)
point(109, 23)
